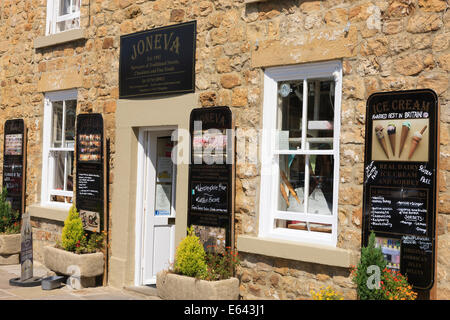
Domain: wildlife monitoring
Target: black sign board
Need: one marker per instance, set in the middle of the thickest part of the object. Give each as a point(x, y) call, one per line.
point(90, 171)
point(26, 248)
point(158, 61)
point(211, 184)
point(14, 160)
point(400, 180)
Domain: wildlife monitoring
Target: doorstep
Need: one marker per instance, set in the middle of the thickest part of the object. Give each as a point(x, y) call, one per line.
point(149, 291)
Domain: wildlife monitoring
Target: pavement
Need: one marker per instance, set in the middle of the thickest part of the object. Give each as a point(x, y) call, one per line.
point(8, 292)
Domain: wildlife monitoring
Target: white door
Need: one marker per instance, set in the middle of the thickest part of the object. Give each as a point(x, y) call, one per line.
point(158, 220)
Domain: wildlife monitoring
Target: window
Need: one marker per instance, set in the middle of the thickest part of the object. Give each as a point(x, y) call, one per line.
point(58, 148)
point(300, 153)
point(62, 15)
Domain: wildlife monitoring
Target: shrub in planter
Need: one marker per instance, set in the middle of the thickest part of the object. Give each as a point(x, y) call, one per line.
point(9, 231)
point(197, 275)
point(9, 218)
point(78, 254)
point(370, 256)
point(391, 284)
point(74, 239)
point(190, 257)
point(72, 232)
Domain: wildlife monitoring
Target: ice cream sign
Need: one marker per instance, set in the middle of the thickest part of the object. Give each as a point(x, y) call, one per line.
point(400, 183)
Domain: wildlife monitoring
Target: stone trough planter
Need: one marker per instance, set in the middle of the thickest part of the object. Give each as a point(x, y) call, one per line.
point(176, 287)
point(81, 268)
point(9, 248)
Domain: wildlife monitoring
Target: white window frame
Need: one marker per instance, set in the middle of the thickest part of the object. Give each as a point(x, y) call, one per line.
point(268, 209)
point(47, 163)
point(53, 17)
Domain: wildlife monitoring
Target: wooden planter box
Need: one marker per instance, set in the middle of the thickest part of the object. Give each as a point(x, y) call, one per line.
point(82, 268)
point(176, 287)
point(9, 248)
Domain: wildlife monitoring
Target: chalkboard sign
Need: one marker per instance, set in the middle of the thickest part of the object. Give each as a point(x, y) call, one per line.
point(400, 179)
point(14, 160)
point(158, 61)
point(211, 183)
point(90, 175)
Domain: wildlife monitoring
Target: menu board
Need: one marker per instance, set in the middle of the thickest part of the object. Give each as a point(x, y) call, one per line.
point(90, 185)
point(400, 179)
point(210, 208)
point(14, 159)
point(158, 61)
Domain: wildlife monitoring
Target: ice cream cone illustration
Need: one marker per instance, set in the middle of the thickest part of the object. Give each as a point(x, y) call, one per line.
point(415, 141)
point(405, 130)
point(380, 136)
point(391, 134)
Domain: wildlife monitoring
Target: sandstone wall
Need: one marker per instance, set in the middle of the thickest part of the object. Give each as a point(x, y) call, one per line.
point(388, 45)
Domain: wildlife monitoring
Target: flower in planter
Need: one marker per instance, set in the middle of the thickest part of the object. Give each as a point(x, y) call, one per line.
point(395, 286)
point(8, 217)
point(326, 294)
point(221, 264)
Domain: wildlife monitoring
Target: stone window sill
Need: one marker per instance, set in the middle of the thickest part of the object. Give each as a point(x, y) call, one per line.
point(59, 38)
point(291, 250)
point(49, 213)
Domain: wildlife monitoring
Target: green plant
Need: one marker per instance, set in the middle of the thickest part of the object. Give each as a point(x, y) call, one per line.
point(221, 265)
point(370, 256)
point(326, 294)
point(9, 218)
point(395, 286)
point(72, 232)
point(190, 257)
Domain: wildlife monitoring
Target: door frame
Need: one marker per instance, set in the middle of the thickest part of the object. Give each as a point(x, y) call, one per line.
point(140, 196)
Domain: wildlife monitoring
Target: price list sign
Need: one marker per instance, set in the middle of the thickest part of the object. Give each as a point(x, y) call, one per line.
point(400, 180)
point(210, 208)
point(90, 175)
point(14, 160)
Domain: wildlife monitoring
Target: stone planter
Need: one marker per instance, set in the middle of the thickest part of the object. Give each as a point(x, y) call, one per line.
point(81, 268)
point(9, 248)
point(176, 287)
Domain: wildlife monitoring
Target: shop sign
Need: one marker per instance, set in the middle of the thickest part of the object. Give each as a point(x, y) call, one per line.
point(26, 248)
point(211, 183)
point(14, 160)
point(90, 173)
point(400, 180)
point(158, 61)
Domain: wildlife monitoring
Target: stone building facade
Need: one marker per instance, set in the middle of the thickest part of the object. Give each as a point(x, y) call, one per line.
point(382, 45)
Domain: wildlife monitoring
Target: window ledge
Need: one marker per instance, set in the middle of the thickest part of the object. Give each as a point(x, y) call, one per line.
point(59, 38)
point(47, 212)
point(312, 253)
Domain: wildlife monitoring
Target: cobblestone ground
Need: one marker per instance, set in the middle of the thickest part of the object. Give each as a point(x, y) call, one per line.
point(8, 292)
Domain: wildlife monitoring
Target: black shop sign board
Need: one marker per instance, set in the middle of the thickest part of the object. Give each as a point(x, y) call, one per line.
point(14, 161)
point(160, 61)
point(90, 173)
point(211, 176)
point(400, 180)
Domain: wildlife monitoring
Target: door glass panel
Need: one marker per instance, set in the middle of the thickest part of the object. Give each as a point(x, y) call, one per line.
point(164, 177)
